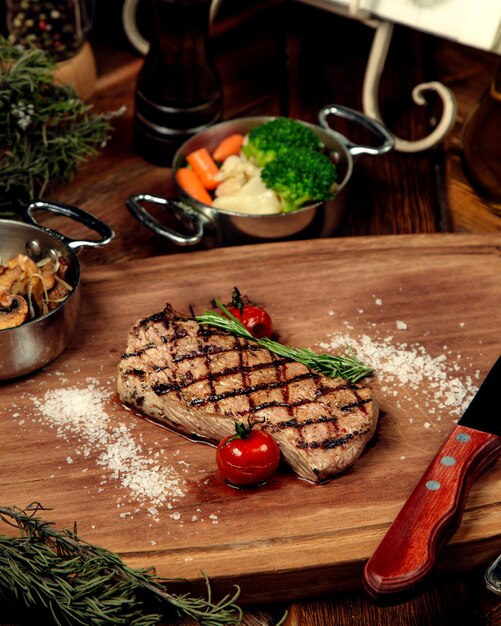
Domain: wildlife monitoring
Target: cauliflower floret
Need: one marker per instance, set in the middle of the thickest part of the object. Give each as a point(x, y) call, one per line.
point(234, 173)
point(231, 185)
point(237, 163)
point(253, 197)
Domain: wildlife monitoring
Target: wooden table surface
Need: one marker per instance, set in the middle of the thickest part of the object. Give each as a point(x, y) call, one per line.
point(295, 73)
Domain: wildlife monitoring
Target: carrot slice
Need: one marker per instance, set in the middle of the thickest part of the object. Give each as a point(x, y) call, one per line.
point(189, 182)
point(228, 147)
point(205, 167)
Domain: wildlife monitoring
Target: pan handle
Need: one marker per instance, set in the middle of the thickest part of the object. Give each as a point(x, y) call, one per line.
point(387, 141)
point(76, 214)
point(180, 210)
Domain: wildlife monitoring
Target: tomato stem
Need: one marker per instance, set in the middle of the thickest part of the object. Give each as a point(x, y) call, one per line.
point(236, 300)
point(242, 431)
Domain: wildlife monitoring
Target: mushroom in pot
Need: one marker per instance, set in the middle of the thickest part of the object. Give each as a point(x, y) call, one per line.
point(8, 276)
point(13, 310)
point(41, 286)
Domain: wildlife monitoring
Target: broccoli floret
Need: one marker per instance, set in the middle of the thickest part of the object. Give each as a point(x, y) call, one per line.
point(268, 140)
point(300, 176)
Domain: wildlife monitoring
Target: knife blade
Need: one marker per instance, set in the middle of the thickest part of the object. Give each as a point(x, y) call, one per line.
point(408, 552)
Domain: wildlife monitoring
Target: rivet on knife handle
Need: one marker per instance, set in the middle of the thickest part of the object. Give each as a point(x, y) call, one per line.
point(408, 552)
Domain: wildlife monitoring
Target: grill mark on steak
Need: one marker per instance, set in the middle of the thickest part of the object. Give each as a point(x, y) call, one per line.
point(334, 442)
point(137, 353)
point(282, 382)
point(229, 371)
point(282, 376)
point(244, 372)
point(331, 442)
point(245, 391)
point(293, 423)
point(161, 316)
point(359, 404)
point(207, 348)
point(205, 352)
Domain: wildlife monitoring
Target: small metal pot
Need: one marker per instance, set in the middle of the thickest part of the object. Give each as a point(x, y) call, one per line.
point(218, 227)
point(32, 345)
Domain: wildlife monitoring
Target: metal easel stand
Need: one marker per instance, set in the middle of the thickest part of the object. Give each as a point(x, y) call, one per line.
point(374, 69)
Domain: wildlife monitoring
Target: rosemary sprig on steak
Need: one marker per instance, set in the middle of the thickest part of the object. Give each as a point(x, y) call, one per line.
point(70, 582)
point(346, 365)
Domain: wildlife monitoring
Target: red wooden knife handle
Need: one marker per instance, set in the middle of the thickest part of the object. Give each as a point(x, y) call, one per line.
point(407, 553)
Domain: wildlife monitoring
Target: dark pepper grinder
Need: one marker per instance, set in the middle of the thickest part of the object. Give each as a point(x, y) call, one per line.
point(178, 90)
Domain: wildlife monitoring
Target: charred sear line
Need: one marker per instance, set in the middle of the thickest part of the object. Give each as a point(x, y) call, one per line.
point(355, 405)
point(136, 372)
point(232, 393)
point(138, 353)
point(213, 349)
point(203, 347)
point(209, 331)
point(161, 317)
point(229, 371)
point(362, 402)
point(179, 333)
point(244, 373)
point(282, 376)
point(269, 405)
point(328, 444)
point(294, 423)
point(160, 389)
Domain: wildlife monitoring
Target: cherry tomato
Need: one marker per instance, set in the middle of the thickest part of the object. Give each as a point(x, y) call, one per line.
point(254, 318)
point(249, 457)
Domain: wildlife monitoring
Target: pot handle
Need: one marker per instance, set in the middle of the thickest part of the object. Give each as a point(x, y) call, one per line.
point(355, 116)
point(76, 214)
point(180, 210)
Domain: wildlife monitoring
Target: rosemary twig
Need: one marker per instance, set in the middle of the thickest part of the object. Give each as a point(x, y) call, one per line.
point(46, 131)
point(77, 583)
point(346, 365)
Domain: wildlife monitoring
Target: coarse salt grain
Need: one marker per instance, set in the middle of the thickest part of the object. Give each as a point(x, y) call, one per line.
point(410, 366)
point(80, 414)
point(401, 325)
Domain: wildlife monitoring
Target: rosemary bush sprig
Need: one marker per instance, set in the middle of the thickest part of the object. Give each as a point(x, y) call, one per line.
point(46, 131)
point(74, 582)
point(346, 365)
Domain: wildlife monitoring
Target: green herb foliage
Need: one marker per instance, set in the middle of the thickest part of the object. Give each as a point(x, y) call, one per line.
point(46, 131)
point(346, 365)
point(73, 582)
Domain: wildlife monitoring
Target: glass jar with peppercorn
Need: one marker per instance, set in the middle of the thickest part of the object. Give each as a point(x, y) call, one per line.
point(59, 27)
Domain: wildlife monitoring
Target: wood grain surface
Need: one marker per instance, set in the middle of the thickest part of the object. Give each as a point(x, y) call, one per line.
point(290, 539)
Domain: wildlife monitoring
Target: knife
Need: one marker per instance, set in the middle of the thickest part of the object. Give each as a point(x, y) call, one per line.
point(408, 552)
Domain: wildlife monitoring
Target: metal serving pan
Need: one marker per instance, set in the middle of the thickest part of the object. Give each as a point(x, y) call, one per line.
point(218, 227)
point(26, 348)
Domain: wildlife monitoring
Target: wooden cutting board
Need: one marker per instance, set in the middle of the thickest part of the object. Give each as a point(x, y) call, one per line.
point(431, 303)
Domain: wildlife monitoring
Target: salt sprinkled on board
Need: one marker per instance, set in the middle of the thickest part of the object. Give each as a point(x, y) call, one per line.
point(418, 382)
point(410, 365)
point(81, 414)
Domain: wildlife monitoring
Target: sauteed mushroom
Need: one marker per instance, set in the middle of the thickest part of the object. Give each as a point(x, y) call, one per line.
point(8, 276)
point(13, 310)
point(41, 285)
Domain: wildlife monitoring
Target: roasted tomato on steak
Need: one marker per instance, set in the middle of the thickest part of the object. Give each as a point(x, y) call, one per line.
point(253, 317)
point(249, 457)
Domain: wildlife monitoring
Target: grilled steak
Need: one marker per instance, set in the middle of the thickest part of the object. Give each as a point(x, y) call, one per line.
point(199, 380)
